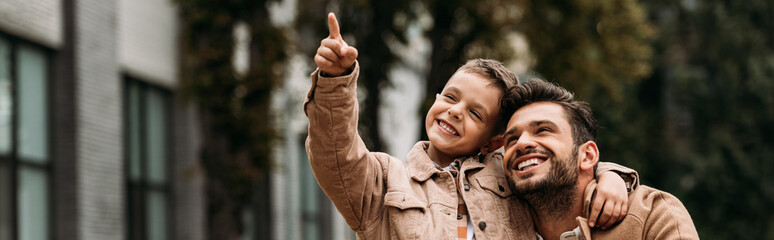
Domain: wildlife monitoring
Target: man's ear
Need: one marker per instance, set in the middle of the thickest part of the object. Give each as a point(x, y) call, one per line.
point(493, 144)
point(588, 156)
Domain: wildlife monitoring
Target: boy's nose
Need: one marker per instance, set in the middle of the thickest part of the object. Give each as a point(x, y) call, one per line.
point(454, 113)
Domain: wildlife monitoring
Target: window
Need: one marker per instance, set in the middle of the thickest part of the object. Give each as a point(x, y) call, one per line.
point(147, 160)
point(315, 205)
point(24, 139)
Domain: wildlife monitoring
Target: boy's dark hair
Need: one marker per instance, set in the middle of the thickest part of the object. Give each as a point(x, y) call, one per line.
point(500, 77)
point(578, 113)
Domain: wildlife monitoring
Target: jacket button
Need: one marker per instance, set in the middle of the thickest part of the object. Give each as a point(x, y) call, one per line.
point(502, 189)
point(481, 225)
point(467, 187)
point(459, 216)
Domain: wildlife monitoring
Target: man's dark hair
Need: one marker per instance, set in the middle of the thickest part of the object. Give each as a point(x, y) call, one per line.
point(578, 113)
point(500, 77)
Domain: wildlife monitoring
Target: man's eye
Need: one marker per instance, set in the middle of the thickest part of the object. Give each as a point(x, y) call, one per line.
point(540, 130)
point(511, 140)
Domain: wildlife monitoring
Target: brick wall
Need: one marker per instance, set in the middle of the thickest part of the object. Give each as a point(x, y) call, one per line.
point(39, 21)
point(99, 115)
point(147, 40)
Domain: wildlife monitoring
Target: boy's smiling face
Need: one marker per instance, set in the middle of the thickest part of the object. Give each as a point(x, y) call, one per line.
point(463, 116)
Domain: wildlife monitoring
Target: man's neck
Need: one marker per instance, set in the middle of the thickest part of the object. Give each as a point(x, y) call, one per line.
point(555, 212)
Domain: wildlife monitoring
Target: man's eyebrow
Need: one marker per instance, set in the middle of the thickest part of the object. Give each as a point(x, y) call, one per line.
point(541, 122)
point(535, 123)
point(510, 131)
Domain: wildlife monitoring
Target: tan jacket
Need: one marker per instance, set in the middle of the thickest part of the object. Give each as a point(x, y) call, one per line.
point(381, 197)
point(653, 214)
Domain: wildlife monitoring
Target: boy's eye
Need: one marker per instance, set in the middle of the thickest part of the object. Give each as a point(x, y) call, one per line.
point(450, 97)
point(475, 114)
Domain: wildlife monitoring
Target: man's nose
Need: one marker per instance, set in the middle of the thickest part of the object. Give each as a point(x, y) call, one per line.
point(525, 143)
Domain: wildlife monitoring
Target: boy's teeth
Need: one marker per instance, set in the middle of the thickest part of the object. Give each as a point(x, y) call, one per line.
point(526, 165)
point(446, 127)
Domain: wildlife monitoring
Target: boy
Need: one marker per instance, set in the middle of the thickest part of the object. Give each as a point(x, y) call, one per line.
point(451, 187)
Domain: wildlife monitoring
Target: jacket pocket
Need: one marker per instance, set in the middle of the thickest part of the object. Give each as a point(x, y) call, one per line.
point(403, 201)
point(408, 216)
point(497, 185)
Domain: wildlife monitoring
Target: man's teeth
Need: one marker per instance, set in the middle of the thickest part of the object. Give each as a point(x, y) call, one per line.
point(526, 165)
point(446, 127)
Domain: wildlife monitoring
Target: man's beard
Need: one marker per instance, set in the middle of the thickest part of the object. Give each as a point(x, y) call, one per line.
point(553, 196)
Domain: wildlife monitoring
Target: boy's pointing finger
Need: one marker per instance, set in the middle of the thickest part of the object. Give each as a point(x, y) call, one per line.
point(333, 26)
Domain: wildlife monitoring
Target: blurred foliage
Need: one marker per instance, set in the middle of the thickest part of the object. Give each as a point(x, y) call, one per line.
point(595, 48)
point(237, 131)
point(715, 78)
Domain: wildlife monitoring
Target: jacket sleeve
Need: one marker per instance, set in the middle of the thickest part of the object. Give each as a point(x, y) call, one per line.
point(631, 177)
point(668, 219)
point(347, 172)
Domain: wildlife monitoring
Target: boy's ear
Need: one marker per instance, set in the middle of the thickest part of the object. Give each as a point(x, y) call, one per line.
point(493, 144)
point(588, 156)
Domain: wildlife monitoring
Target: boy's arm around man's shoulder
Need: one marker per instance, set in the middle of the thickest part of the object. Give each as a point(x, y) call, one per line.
point(630, 176)
point(351, 176)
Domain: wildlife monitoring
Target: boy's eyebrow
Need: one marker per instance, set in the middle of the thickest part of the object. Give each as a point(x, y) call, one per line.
point(452, 89)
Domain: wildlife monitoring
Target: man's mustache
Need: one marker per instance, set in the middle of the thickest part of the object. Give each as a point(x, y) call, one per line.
point(530, 151)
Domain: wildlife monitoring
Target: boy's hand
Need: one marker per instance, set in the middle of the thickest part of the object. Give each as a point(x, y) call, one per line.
point(612, 194)
point(335, 57)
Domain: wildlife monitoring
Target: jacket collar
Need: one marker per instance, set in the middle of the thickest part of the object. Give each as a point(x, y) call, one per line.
point(588, 196)
point(420, 166)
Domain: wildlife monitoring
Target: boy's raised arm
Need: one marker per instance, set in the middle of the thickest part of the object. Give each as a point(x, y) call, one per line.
point(347, 172)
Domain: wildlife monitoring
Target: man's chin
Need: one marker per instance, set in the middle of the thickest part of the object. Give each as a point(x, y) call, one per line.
point(527, 186)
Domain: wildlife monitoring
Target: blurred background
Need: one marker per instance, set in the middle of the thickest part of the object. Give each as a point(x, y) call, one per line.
point(182, 119)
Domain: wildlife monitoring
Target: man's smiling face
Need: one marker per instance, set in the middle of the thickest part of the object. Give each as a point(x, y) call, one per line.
point(539, 148)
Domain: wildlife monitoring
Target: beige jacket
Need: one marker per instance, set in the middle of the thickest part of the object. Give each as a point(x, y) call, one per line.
point(653, 214)
point(381, 197)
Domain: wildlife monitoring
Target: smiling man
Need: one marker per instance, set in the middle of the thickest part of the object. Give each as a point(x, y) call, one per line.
point(550, 159)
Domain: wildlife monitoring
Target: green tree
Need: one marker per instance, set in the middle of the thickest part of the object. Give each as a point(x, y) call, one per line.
point(714, 73)
point(237, 131)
